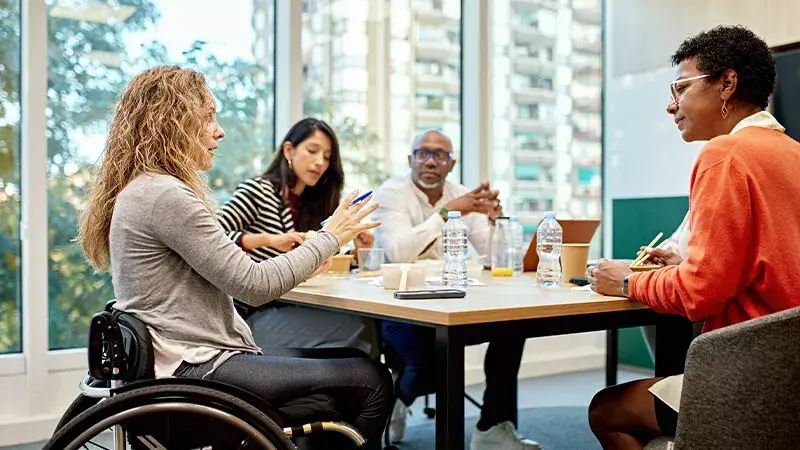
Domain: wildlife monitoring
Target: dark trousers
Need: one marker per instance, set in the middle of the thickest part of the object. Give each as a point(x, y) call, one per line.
point(359, 386)
point(415, 346)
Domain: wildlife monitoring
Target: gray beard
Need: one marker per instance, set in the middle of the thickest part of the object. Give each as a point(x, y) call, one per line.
point(426, 185)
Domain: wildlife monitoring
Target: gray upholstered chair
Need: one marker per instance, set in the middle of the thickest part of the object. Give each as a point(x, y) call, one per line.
point(742, 388)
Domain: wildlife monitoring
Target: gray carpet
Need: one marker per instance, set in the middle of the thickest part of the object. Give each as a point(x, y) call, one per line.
point(556, 428)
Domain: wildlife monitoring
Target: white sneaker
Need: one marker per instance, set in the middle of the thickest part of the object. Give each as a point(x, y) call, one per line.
point(397, 424)
point(502, 436)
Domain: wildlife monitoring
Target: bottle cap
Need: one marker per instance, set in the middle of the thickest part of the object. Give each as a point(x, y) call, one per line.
point(451, 214)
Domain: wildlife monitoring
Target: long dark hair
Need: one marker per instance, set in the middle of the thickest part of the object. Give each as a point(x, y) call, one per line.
point(316, 202)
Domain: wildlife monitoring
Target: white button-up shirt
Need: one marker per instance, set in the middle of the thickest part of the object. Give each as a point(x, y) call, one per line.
point(411, 223)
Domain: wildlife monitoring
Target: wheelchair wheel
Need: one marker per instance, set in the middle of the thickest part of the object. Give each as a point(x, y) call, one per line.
point(174, 417)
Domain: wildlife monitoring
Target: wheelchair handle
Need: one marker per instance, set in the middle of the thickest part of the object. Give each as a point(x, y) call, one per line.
point(94, 392)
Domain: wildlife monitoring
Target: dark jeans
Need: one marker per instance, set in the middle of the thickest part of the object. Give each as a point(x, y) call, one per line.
point(416, 346)
point(360, 387)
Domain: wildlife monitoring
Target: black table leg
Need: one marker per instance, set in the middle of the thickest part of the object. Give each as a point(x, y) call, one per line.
point(449, 389)
point(612, 356)
point(673, 336)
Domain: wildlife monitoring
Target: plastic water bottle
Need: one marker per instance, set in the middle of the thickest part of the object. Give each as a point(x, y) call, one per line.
point(548, 246)
point(517, 233)
point(455, 236)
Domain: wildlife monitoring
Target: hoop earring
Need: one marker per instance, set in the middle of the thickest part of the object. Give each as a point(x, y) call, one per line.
point(724, 111)
point(289, 161)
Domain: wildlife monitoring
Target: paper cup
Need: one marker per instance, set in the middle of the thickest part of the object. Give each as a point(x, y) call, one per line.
point(574, 258)
point(340, 264)
point(393, 276)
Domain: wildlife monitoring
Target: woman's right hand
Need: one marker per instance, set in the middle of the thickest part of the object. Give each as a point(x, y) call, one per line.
point(662, 257)
point(345, 223)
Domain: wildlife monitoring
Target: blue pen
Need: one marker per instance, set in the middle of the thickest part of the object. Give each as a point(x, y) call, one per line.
point(351, 204)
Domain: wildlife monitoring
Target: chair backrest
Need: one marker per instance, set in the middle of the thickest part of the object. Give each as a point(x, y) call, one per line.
point(740, 387)
point(120, 347)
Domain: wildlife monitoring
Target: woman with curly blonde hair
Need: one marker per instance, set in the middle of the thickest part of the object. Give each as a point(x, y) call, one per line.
point(149, 220)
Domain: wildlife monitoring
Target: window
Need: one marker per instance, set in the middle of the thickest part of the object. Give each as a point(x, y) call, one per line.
point(10, 246)
point(528, 111)
point(426, 67)
point(430, 100)
point(532, 172)
point(528, 20)
point(526, 81)
point(588, 176)
point(430, 34)
point(408, 74)
point(533, 141)
point(527, 172)
point(533, 204)
point(95, 48)
point(546, 92)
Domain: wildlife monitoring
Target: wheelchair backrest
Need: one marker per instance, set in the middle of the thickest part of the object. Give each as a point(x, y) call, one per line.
point(120, 347)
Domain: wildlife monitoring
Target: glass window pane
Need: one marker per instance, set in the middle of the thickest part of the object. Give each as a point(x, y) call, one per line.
point(404, 61)
point(95, 48)
point(10, 247)
point(547, 124)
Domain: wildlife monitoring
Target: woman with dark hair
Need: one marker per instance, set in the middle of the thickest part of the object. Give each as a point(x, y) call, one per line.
point(270, 214)
point(743, 215)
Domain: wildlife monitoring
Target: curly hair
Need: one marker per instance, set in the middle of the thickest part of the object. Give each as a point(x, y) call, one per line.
point(736, 48)
point(156, 128)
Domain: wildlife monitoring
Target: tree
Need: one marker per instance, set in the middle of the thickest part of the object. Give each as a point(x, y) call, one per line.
point(362, 168)
point(9, 176)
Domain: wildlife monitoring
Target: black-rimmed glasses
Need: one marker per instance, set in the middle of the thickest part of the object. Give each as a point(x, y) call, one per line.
point(440, 157)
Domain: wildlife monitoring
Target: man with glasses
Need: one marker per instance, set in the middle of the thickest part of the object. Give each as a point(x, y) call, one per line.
point(413, 210)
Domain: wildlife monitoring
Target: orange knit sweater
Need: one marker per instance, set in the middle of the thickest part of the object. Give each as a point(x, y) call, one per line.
point(743, 258)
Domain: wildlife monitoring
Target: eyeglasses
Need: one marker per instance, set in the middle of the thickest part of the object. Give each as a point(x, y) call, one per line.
point(440, 157)
point(673, 87)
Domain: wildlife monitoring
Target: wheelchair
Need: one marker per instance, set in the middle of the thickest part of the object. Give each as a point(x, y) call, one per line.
point(121, 394)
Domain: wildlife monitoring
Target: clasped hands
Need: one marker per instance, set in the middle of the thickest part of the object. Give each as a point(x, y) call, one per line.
point(482, 200)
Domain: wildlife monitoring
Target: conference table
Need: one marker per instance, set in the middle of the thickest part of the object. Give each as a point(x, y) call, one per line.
point(501, 308)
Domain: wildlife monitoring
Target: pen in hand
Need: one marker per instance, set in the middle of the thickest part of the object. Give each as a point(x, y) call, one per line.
point(358, 199)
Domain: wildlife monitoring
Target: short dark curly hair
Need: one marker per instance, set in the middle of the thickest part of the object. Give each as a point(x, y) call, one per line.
point(736, 48)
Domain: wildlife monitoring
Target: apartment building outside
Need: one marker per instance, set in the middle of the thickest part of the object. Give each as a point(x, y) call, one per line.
point(394, 66)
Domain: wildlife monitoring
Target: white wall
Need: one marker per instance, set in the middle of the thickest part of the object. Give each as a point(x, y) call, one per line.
point(546, 356)
point(21, 422)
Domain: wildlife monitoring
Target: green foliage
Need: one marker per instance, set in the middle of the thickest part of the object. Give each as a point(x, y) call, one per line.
point(9, 177)
point(81, 94)
point(362, 156)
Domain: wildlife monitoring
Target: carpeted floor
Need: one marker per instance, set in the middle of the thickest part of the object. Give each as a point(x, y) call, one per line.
point(556, 428)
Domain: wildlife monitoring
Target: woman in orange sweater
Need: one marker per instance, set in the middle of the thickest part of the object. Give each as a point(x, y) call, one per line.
point(741, 261)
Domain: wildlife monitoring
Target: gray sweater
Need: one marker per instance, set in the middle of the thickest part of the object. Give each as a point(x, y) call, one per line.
point(174, 268)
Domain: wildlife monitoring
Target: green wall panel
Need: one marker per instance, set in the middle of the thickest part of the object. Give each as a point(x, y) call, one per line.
point(636, 222)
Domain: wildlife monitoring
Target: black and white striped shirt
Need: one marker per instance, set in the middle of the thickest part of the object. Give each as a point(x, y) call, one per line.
point(256, 207)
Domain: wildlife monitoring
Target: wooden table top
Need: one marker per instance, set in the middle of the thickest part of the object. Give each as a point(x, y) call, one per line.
point(502, 299)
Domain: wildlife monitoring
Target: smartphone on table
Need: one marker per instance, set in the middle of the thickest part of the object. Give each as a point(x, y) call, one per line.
point(423, 294)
